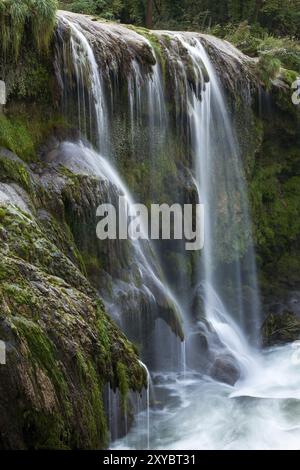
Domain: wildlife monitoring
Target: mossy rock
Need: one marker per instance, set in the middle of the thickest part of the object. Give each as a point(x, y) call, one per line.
point(281, 328)
point(13, 169)
point(62, 348)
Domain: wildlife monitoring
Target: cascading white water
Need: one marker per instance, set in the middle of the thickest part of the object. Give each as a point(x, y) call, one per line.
point(152, 87)
point(201, 413)
point(88, 77)
point(149, 382)
point(86, 159)
point(83, 158)
point(91, 103)
point(208, 119)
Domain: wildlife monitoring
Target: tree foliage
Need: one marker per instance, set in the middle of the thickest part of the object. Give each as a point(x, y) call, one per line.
point(277, 16)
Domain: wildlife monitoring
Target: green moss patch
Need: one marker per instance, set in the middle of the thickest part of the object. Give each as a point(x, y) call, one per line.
point(15, 136)
point(42, 351)
point(123, 384)
point(64, 348)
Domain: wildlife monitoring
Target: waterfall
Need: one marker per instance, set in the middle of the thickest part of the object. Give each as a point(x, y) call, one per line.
point(91, 104)
point(173, 118)
point(75, 62)
point(219, 179)
point(187, 398)
point(213, 109)
point(217, 175)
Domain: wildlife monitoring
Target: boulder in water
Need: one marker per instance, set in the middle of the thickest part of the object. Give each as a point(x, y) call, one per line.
point(197, 351)
point(225, 369)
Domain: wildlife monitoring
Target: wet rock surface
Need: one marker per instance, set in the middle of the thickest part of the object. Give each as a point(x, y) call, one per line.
point(225, 369)
point(61, 347)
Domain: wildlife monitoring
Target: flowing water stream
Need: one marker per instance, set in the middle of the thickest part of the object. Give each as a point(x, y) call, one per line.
point(186, 408)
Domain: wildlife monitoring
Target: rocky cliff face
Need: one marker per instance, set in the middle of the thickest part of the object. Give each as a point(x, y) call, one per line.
point(62, 350)
point(274, 189)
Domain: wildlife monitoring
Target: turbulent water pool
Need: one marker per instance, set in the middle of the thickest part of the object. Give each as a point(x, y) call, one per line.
point(194, 412)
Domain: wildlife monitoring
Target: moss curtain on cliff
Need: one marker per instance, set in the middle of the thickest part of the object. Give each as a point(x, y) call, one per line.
point(280, 17)
point(19, 17)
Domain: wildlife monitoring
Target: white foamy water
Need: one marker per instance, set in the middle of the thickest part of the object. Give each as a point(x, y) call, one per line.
point(197, 413)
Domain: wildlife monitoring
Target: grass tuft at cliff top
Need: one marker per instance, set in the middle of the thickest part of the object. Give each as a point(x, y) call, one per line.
point(19, 18)
point(257, 42)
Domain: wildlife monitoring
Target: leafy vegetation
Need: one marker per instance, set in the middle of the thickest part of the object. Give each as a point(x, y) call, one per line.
point(255, 41)
point(20, 19)
point(268, 68)
point(276, 16)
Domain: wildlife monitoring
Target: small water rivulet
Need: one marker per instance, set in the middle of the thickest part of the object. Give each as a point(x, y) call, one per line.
point(190, 406)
